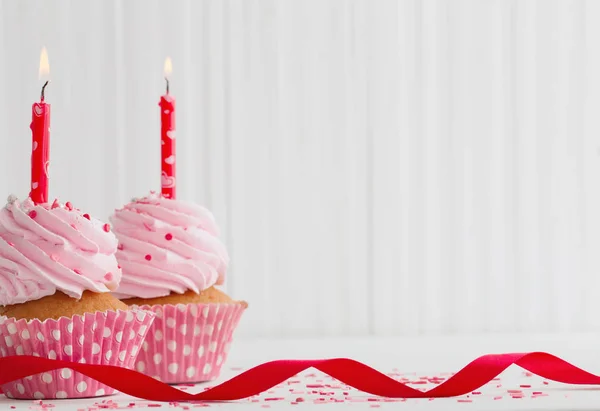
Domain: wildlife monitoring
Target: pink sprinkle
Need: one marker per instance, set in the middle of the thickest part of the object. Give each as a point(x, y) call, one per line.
point(55, 204)
point(86, 215)
point(54, 257)
point(74, 226)
point(299, 399)
point(476, 392)
point(525, 386)
point(168, 236)
point(69, 206)
point(120, 247)
point(537, 393)
point(148, 257)
point(497, 398)
point(154, 405)
point(118, 267)
point(10, 244)
point(314, 386)
point(465, 400)
point(546, 383)
point(106, 227)
point(32, 213)
point(274, 399)
point(108, 276)
point(514, 391)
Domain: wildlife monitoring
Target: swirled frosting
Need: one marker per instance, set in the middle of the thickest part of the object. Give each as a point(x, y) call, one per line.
point(167, 246)
point(45, 248)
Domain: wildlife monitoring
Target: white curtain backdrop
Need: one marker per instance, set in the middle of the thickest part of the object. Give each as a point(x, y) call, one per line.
point(377, 167)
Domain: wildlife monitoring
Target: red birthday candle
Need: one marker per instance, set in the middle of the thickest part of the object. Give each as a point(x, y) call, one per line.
point(40, 148)
point(167, 138)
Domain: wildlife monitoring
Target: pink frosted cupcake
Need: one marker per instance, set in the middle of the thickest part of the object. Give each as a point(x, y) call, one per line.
point(172, 258)
point(57, 268)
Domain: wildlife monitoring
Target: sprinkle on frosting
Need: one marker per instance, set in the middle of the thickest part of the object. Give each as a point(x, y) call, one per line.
point(46, 248)
point(167, 246)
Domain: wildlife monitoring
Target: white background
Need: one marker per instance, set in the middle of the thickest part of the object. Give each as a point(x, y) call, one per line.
point(377, 167)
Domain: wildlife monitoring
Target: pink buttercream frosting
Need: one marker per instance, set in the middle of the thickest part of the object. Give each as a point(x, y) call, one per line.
point(47, 248)
point(167, 246)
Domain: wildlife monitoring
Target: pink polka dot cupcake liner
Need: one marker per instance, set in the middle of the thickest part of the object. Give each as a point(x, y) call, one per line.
point(188, 342)
point(110, 338)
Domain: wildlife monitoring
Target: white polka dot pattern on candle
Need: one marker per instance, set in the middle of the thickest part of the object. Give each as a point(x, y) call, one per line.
point(75, 340)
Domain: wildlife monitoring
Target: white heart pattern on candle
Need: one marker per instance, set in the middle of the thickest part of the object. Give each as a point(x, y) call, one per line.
point(34, 185)
point(170, 159)
point(37, 109)
point(167, 181)
point(35, 144)
point(47, 169)
point(171, 134)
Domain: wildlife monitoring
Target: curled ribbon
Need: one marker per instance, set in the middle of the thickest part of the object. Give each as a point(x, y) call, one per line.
point(265, 376)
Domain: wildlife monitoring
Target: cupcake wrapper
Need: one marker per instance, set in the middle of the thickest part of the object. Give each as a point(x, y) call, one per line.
point(110, 338)
point(188, 342)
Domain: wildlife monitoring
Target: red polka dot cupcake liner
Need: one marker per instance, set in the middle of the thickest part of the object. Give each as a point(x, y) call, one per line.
point(110, 338)
point(188, 342)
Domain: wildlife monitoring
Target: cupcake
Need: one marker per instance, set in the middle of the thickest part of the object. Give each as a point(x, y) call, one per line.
point(172, 259)
point(57, 269)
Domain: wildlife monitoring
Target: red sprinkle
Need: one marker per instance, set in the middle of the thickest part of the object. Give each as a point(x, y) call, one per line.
point(148, 257)
point(86, 215)
point(32, 213)
point(169, 236)
point(108, 276)
point(299, 399)
point(106, 227)
point(120, 247)
point(55, 204)
point(76, 271)
point(119, 267)
point(69, 206)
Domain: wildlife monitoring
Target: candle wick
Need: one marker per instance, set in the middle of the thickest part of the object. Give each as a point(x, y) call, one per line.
point(167, 80)
point(44, 90)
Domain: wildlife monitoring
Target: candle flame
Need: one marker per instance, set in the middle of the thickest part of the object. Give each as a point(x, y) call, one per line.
point(44, 64)
point(168, 67)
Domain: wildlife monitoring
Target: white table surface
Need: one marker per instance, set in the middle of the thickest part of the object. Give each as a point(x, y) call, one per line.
point(422, 356)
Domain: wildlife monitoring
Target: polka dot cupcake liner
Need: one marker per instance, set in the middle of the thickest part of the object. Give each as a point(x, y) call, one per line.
point(111, 338)
point(188, 342)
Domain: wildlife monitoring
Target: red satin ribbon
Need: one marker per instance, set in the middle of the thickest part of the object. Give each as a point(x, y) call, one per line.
point(267, 375)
